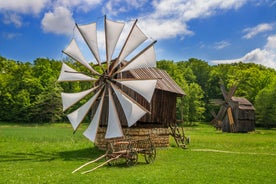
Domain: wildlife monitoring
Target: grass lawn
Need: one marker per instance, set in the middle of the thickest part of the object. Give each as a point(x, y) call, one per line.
point(49, 153)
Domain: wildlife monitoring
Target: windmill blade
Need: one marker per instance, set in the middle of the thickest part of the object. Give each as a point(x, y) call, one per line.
point(78, 115)
point(230, 116)
point(73, 51)
point(214, 114)
point(69, 99)
point(89, 34)
point(92, 129)
point(146, 58)
point(113, 31)
point(231, 119)
point(224, 92)
point(144, 87)
point(217, 102)
point(134, 39)
point(114, 128)
point(231, 92)
point(221, 113)
point(69, 74)
point(133, 111)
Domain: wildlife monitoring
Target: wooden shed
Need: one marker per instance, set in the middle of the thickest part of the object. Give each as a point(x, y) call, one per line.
point(243, 115)
point(163, 105)
point(162, 108)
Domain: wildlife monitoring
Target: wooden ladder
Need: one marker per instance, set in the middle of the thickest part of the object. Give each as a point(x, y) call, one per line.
point(178, 134)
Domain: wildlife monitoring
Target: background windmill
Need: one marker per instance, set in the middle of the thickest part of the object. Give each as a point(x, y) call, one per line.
point(236, 114)
point(123, 92)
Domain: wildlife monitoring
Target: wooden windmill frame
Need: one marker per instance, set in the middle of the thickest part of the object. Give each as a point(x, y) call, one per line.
point(236, 114)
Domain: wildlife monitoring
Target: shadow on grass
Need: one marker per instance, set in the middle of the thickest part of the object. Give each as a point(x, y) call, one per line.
point(43, 156)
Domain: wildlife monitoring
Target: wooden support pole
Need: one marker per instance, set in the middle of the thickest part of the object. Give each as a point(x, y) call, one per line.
point(102, 164)
point(89, 163)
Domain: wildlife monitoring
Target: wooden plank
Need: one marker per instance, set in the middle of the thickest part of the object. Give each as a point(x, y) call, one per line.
point(85, 172)
point(89, 163)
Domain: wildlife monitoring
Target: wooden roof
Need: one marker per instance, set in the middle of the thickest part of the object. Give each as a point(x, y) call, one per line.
point(164, 81)
point(243, 103)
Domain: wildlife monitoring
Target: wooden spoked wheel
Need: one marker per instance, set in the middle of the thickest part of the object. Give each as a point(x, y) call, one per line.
point(150, 155)
point(132, 158)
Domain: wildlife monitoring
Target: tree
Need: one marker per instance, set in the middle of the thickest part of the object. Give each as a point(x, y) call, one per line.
point(265, 105)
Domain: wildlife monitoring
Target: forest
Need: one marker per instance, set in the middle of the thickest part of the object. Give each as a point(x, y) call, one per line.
point(29, 91)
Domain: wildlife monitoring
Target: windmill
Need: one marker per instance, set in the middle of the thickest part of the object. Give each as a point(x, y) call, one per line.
point(225, 118)
point(109, 84)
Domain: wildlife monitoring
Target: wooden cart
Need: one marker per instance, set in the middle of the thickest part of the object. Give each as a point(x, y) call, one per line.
point(126, 149)
point(129, 150)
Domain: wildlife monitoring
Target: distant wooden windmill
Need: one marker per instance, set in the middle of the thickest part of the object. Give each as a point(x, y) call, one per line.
point(236, 114)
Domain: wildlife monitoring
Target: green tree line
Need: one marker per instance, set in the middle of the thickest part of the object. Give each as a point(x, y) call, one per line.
point(29, 92)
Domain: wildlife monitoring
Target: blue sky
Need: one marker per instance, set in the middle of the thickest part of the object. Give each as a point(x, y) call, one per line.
point(217, 31)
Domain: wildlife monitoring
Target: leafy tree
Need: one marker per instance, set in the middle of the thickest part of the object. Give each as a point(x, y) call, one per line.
point(265, 105)
point(191, 107)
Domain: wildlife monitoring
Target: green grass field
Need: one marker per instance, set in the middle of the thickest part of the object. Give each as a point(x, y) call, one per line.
point(49, 153)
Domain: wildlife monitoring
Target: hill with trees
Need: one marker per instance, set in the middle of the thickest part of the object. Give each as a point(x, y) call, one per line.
point(29, 92)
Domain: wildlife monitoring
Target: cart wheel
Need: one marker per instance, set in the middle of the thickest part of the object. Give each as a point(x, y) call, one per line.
point(132, 158)
point(150, 155)
point(107, 157)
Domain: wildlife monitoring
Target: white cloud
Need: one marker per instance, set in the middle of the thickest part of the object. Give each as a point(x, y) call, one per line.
point(172, 16)
point(10, 36)
point(60, 21)
point(253, 31)
point(265, 56)
point(271, 43)
point(114, 7)
point(187, 10)
point(23, 6)
point(12, 18)
point(163, 28)
point(83, 5)
point(222, 44)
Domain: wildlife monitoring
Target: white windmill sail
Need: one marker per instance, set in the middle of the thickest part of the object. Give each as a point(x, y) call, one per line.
point(132, 111)
point(114, 128)
point(73, 51)
point(108, 80)
point(78, 115)
point(144, 87)
point(69, 74)
point(113, 31)
point(69, 99)
point(89, 34)
point(92, 129)
point(134, 39)
point(143, 60)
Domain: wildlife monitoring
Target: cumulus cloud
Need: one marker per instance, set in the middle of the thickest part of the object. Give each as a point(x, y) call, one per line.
point(174, 15)
point(253, 31)
point(12, 18)
point(84, 5)
point(265, 56)
point(170, 29)
point(23, 6)
point(60, 21)
point(114, 7)
point(192, 9)
point(170, 16)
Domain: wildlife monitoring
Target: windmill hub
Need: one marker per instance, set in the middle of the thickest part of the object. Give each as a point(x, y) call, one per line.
point(105, 78)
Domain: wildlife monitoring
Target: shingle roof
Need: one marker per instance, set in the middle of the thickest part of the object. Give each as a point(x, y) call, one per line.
point(243, 103)
point(164, 81)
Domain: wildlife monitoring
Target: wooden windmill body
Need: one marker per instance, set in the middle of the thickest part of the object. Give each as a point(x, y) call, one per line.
point(162, 109)
point(236, 114)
